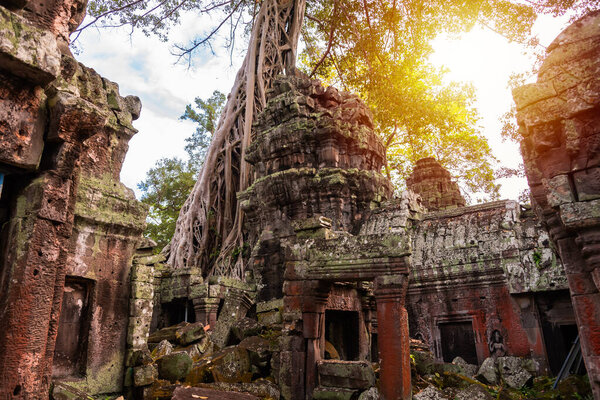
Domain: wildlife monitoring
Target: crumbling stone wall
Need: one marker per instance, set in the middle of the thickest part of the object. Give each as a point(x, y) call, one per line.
point(69, 226)
point(558, 121)
point(317, 164)
point(481, 265)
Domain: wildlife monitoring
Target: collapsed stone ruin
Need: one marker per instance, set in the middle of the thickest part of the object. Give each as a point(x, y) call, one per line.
point(345, 280)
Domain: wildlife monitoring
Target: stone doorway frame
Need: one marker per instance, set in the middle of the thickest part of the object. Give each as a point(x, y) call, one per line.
point(473, 318)
point(390, 278)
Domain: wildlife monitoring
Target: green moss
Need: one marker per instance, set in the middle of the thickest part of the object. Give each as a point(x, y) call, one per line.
point(537, 259)
point(113, 101)
point(107, 378)
point(17, 28)
point(26, 211)
point(108, 201)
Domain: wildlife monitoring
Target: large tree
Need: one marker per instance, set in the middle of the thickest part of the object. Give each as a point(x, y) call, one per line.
point(378, 48)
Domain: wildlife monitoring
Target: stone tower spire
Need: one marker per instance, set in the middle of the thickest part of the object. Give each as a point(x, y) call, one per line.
point(433, 183)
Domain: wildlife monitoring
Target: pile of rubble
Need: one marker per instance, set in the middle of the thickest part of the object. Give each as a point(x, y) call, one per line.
point(505, 378)
point(182, 362)
point(183, 356)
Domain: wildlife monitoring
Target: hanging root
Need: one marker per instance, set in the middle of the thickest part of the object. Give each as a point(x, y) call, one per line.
point(209, 232)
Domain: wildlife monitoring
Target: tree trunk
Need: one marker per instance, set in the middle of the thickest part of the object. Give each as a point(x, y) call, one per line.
point(208, 233)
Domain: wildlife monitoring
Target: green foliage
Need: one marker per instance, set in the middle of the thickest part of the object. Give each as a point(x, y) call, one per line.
point(206, 114)
point(170, 181)
point(165, 189)
point(380, 50)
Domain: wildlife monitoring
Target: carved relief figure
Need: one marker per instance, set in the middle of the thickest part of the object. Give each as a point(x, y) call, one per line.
point(496, 344)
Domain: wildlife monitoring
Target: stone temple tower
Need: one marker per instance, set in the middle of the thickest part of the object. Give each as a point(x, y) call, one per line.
point(433, 183)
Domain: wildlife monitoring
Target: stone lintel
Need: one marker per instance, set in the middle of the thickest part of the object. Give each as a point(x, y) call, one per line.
point(471, 209)
point(468, 281)
point(360, 269)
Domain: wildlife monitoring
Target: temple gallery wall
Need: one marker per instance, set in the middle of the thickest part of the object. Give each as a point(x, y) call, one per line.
point(345, 281)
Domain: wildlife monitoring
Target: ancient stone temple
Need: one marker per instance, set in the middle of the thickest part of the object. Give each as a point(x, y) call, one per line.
point(485, 282)
point(340, 275)
point(325, 264)
point(344, 274)
point(433, 183)
point(558, 118)
point(69, 227)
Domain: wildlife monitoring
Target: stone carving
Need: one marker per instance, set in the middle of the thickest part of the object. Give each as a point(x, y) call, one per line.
point(496, 344)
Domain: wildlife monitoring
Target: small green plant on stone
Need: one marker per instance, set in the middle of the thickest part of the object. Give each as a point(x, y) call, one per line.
point(537, 258)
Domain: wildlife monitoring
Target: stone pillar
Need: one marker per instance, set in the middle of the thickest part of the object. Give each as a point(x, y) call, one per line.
point(313, 326)
point(393, 339)
point(206, 310)
point(236, 305)
point(558, 119)
point(35, 238)
point(292, 343)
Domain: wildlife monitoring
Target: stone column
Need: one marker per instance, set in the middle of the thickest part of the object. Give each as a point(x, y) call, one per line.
point(313, 326)
point(206, 310)
point(393, 339)
point(235, 306)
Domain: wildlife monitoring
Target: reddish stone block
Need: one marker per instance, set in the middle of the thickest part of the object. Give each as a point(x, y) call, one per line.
point(292, 304)
point(311, 324)
point(546, 136)
point(57, 199)
point(581, 283)
point(556, 161)
point(22, 123)
point(293, 288)
point(587, 310)
point(587, 183)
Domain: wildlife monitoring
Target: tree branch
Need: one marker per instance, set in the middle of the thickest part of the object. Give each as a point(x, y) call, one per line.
point(185, 51)
point(330, 41)
point(104, 14)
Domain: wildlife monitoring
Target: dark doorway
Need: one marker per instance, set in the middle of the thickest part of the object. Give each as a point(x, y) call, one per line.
point(179, 311)
point(558, 326)
point(341, 330)
point(374, 348)
point(558, 340)
point(458, 340)
point(70, 352)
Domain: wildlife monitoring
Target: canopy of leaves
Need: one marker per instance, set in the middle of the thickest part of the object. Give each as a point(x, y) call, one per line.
point(170, 181)
point(380, 50)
